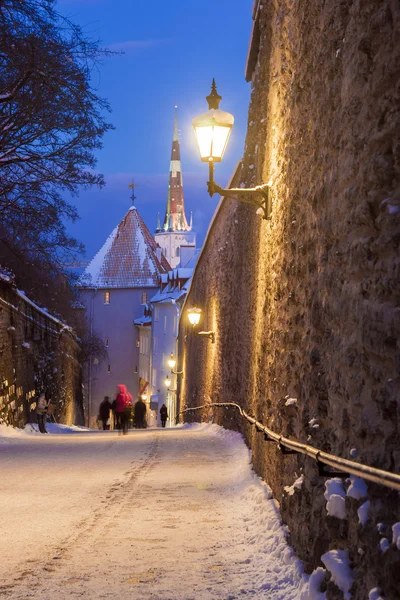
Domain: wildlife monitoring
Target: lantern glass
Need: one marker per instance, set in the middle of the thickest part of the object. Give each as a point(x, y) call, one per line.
point(171, 361)
point(167, 382)
point(194, 315)
point(144, 396)
point(212, 131)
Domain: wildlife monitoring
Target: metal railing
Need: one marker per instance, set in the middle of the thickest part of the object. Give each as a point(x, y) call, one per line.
point(287, 446)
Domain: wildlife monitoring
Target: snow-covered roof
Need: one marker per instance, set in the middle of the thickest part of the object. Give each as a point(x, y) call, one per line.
point(143, 321)
point(128, 259)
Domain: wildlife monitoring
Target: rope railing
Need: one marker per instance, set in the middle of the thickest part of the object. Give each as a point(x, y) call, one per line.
point(287, 446)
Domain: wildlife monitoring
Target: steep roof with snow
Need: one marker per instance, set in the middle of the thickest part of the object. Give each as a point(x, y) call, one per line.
point(130, 258)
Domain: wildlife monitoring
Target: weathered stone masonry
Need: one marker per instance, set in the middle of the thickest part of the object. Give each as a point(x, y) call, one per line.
point(37, 353)
point(307, 305)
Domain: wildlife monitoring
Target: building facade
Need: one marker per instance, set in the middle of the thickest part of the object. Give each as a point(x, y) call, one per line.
point(113, 289)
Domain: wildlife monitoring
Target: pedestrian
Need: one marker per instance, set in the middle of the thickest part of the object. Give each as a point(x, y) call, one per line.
point(41, 412)
point(104, 412)
point(163, 415)
point(140, 414)
point(122, 403)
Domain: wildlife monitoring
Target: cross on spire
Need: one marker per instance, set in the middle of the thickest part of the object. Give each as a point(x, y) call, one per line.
point(132, 186)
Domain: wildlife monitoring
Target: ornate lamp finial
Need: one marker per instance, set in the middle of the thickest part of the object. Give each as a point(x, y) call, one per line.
point(214, 98)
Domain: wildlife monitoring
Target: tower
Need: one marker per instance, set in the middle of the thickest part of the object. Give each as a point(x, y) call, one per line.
point(175, 231)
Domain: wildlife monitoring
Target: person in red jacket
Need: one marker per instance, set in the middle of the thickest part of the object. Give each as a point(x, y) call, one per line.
point(123, 402)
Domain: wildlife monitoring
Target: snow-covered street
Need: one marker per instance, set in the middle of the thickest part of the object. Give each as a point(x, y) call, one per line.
point(172, 514)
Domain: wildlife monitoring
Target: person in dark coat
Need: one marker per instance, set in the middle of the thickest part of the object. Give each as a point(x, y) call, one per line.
point(41, 411)
point(140, 414)
point(122, 403)
point(104, 412)
point(163, 415)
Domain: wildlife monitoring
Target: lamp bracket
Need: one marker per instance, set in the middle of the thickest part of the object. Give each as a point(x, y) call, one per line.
point(259, 196)
point(208, 334)
point(176, 372)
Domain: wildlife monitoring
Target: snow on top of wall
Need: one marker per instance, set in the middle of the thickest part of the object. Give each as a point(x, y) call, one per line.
point(335, 496)
point(337, 562)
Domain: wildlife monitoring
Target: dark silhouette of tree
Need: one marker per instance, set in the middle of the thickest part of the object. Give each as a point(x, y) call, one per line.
point(51, 122)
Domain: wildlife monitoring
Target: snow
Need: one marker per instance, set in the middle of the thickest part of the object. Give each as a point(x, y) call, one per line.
point(353, 452)
point(26, 344)
point(337, 562)
point(396, 535)
point(160, 513)
point(384, 545)
point(93, 269)
point(291, 401)
point(375, 594)
point(296, 486)
point(311, 589)
point(362, 512)
point(220, 116)
point(335, 496)
point(358, 488)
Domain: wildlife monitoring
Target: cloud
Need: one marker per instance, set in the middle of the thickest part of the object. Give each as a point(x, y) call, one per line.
point(133, 46)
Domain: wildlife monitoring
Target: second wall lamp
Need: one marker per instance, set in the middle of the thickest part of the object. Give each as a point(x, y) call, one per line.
point(194, 315)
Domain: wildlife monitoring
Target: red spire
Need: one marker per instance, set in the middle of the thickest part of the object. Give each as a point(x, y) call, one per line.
point(175, 218)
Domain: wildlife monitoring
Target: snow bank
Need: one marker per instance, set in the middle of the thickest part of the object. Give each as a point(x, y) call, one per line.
point(8, 434)
point(337, 562)
point(312, 584)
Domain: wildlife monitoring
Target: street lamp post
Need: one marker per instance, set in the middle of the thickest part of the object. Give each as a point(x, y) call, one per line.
point(213, 129)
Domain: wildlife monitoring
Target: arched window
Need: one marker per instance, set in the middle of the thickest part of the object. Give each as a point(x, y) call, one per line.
point(177, 251)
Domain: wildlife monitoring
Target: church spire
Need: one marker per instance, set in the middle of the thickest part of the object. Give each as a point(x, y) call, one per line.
point(175, 218)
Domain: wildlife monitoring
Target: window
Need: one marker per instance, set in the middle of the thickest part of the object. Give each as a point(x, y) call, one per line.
point(157, 313)
point(165, 324)
point(108, 368)
point(177, 251)
point(106, 297)
point(154, 378)
point(155, 345)
point(106, 343)
point(144, 297)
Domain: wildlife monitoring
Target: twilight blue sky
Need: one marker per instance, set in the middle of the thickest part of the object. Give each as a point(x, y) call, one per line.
point(173, 49)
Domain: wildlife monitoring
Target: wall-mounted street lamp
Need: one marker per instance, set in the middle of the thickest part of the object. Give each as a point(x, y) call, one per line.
point(213, 129)
point(144, 396)
point(194, 316)
point(171, 362)
point(167, 383)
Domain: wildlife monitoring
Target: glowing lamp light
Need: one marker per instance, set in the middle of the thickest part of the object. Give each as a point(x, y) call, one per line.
point(213, 129)
point(144, 396)
point(167, 382)
point(194, 315)
point(171, 361)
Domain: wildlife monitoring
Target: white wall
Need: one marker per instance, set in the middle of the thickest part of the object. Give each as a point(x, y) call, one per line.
point(170, 241)
point(164, 330)
point(114, 322)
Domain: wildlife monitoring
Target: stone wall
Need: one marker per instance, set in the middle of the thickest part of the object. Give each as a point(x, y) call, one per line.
point(37, 353)
point(307, 305)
